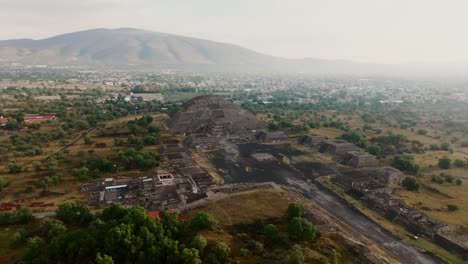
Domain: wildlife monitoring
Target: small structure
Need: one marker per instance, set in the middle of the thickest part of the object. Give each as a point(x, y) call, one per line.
point(271, 136)
point(454, 238)
point(172, 148)
point(358, 159)
point(359, 182)
point(337, 147)
point(356, 182)
point(386, 175)
point(38, 118)
point(311, 140)
point(203, 141)
point(3, 121)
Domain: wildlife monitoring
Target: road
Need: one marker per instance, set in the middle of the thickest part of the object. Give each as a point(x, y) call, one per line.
point(399, 249)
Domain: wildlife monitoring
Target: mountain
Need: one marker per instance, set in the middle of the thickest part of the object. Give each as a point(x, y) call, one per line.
point(140, 49)
point(127, 47)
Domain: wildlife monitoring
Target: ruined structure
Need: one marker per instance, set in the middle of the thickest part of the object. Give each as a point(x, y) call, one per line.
point(386, 175)
point(175, 154)
point(163, 189)
point(311, 140)
point(263, 157)
point(396, 210)
point(359, 182)
point(271, 136)
point(337, 147)
point(454, 238)
point(213, 115)
point(451, 237)
point(358, 159)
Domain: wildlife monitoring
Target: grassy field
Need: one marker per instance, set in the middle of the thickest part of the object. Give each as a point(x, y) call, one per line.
point(434, 202)
point(266, 204)
point(21, 188)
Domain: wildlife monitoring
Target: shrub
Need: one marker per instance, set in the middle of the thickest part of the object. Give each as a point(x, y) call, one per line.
point(202, 221)
point(199, 243)
point(458, 182)
point(295, 210)
point(255, 246)
point(273, 234)
point(422, 131)
point(301, 229)
point(3, 183)
point(21, 216)
point(459, 163)
point(410, 184)
point(74, 213)
point(445, 163)
point(220, 252)
point(406, 163)
point(437, 179)
point(101, 145)
point(445, 146)
point(452, 207)
point(296, 256)
point(15, 168)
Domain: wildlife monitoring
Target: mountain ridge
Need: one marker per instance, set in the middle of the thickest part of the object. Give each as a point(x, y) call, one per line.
point(142, 49)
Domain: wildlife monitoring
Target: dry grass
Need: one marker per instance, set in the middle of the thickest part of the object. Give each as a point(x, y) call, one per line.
point(326, 132)
point(396, 229)
point(435, 204)
point(246, 207)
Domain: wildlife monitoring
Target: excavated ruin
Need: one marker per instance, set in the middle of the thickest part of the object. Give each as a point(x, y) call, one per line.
point(213, 115)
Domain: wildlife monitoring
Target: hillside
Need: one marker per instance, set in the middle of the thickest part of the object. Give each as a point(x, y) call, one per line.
point(127, 47)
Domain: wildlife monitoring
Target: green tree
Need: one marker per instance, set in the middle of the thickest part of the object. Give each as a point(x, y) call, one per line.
point(202, 221)
point(103, 259)
point(295, 210)
point(374, 150)
point(199, 243)
point(74, 213)
point(406, 163)
point(296, 256)
point(33, 249)
point(12, 125)
point(452, 207)
point(410, 184)
point(51, 228)
point(87, 140)
point(3, 183)
point(190, 256)
point(445, 146)
point(422, 131)
point(273, 234)
point(220, 252)
point(445, 163)
point(459, 163)
point(15, 168)
point(355, 138)
point(301, 229)
point(37, 165)
point(333, 256)
point(81, 174)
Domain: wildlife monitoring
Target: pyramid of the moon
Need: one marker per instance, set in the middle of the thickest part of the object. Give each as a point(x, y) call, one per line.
point(212, 114)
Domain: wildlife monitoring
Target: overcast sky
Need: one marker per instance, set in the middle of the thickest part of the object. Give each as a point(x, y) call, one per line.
point(384, 31)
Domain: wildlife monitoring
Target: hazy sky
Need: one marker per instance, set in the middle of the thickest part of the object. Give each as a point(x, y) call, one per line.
point(387, 31)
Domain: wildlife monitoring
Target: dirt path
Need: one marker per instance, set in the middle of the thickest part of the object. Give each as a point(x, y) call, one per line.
point(69, 144)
